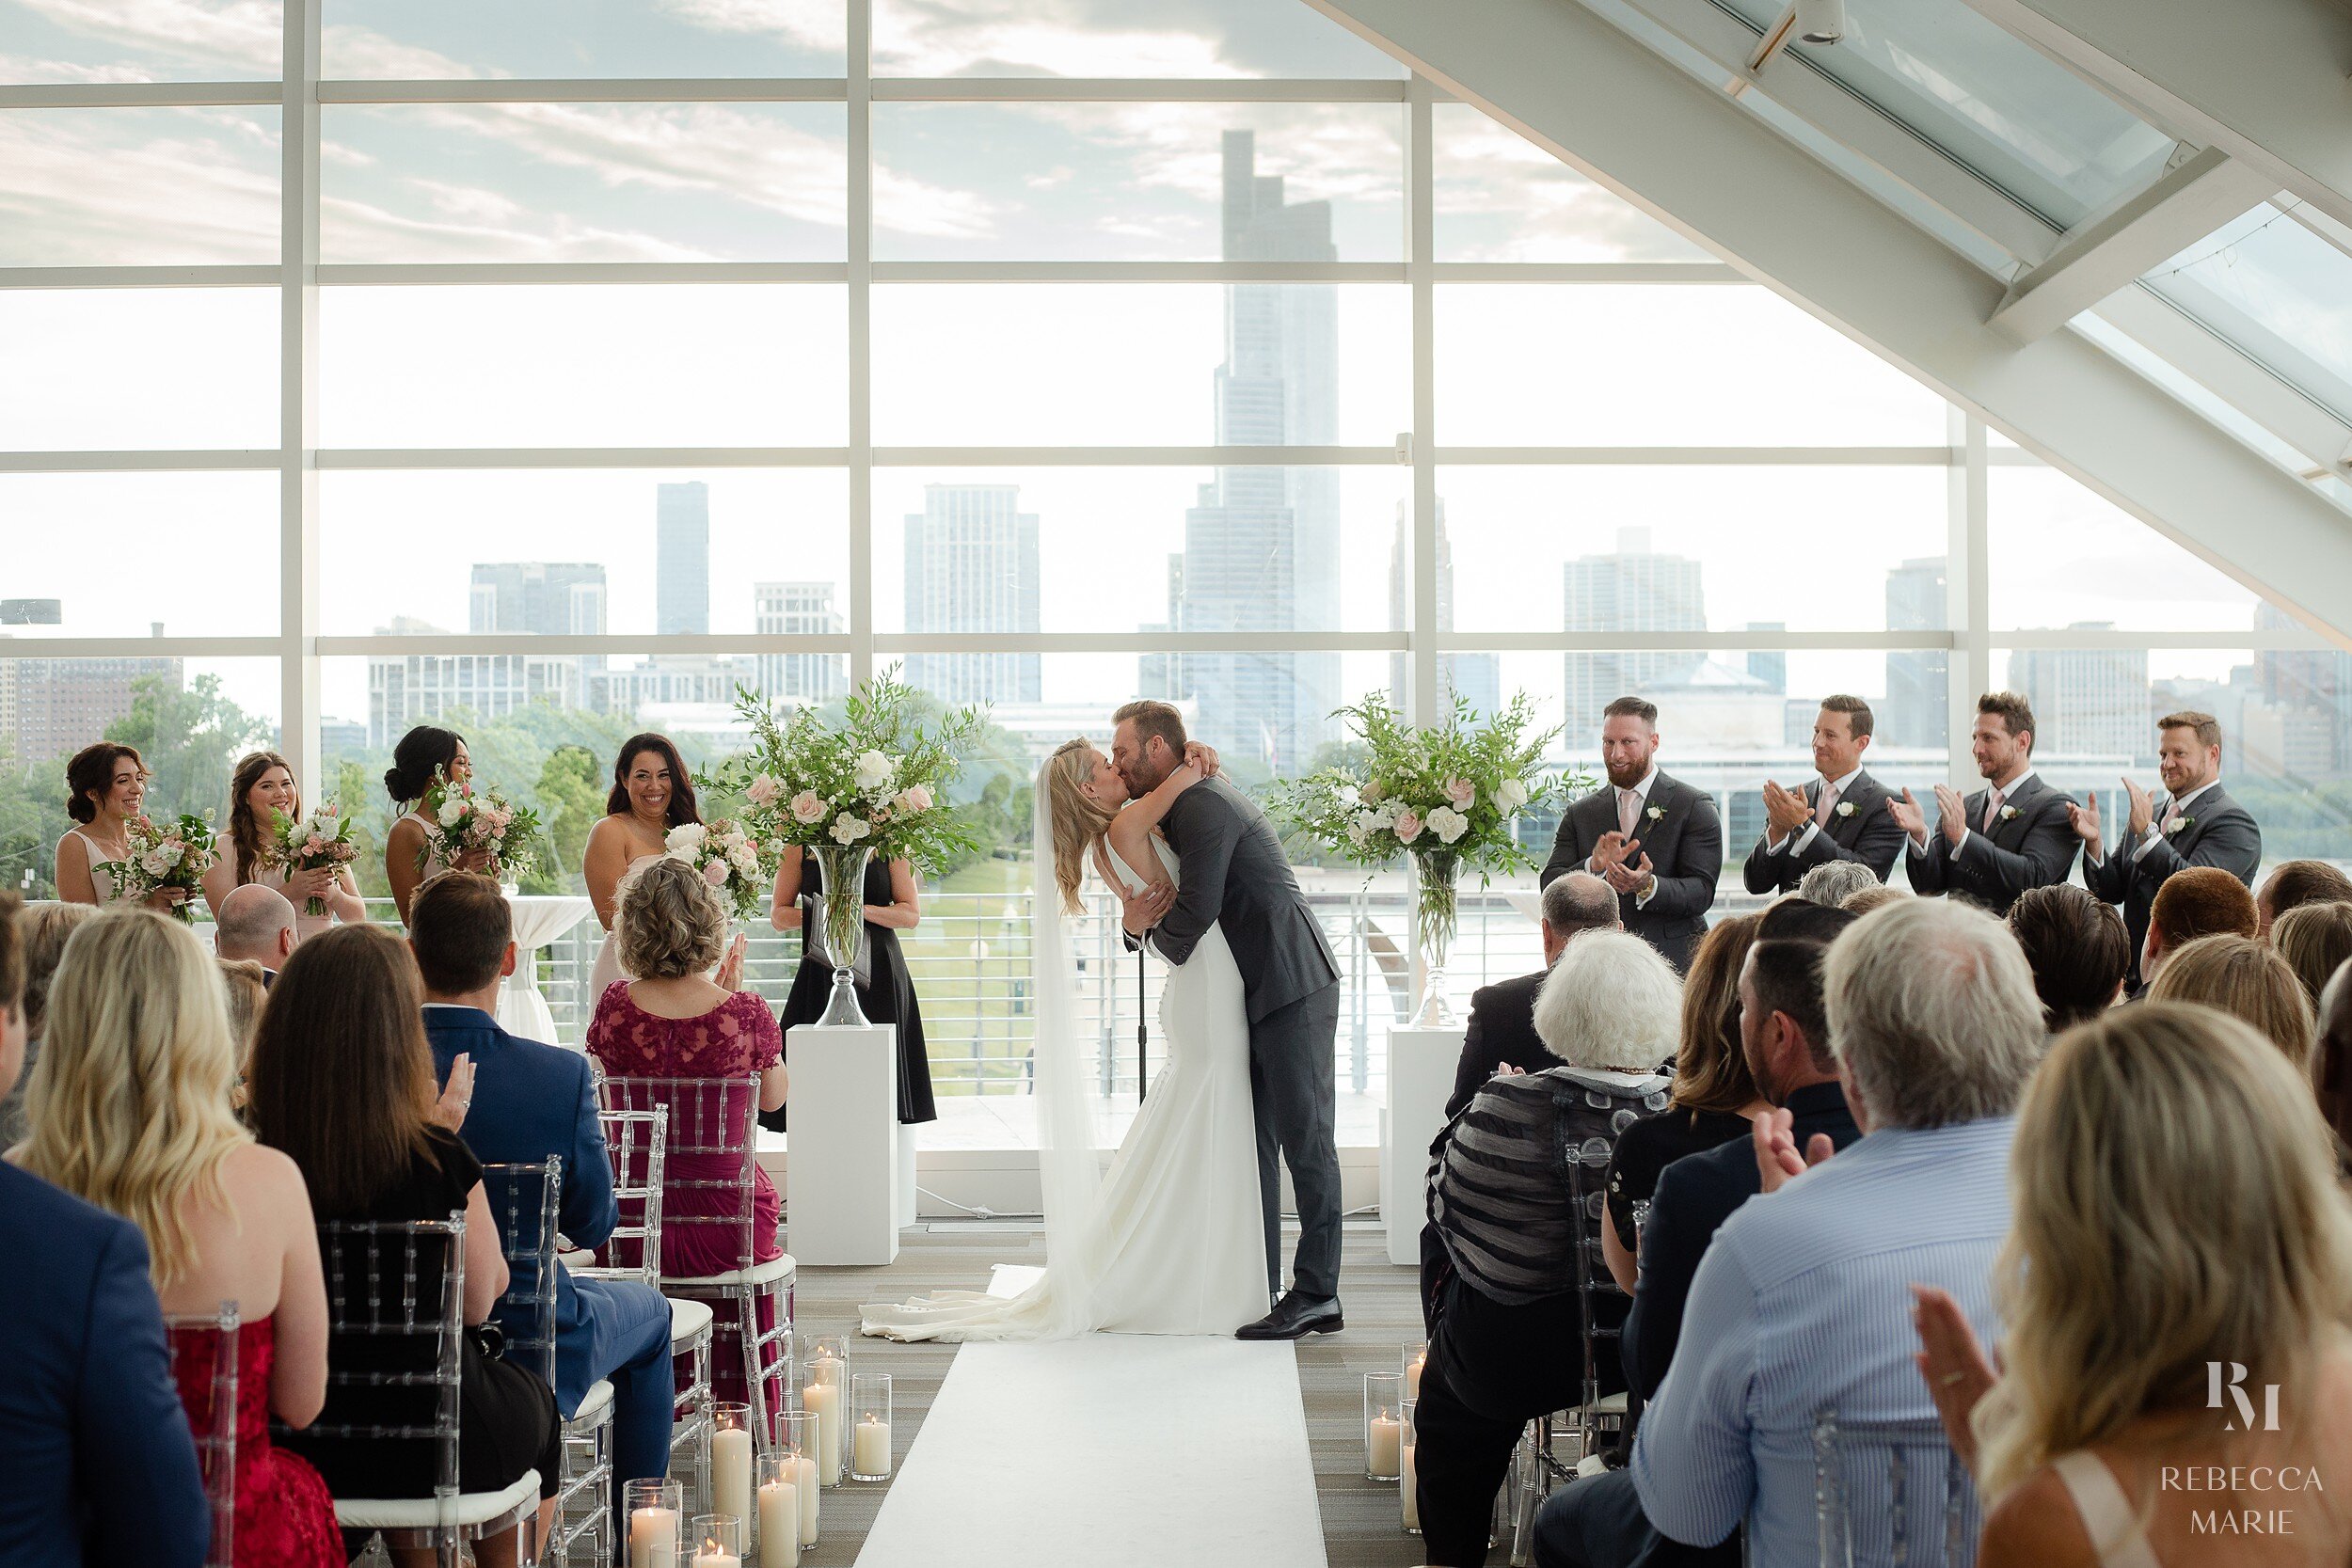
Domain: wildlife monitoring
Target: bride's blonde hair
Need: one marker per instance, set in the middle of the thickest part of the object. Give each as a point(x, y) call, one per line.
point(2176, 1205)
point(1079, 822)
point(129, 1099)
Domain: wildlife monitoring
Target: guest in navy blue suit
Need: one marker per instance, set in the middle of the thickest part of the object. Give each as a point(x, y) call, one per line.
point(531, 1101)
point(100, 1464)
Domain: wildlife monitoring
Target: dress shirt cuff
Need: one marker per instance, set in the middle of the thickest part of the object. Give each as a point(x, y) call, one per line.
point(1641, 899)
point(1965, 834)
point(2148, 841)
point(1921, 847)
point(1804, 840)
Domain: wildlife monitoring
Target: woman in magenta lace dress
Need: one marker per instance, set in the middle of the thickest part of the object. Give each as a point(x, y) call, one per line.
point(129, 1109)
point(678, 1022)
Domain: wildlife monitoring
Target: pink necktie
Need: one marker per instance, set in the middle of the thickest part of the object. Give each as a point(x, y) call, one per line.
point(1629, 809)
point(1992, 808)
point(1827, 803)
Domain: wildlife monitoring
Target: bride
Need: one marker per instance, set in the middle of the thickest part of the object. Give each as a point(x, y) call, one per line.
point(1171, 1239)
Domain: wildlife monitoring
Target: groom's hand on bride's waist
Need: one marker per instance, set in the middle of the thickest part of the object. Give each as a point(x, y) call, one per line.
point(1142, 910)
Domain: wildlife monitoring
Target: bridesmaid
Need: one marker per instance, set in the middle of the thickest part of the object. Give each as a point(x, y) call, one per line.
point(893, 904)
point(106, 784)
point(651, 795)
point(407, 863)
point(260, 791)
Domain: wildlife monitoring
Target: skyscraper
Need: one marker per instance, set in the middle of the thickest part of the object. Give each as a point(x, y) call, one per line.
point(52, 707)
point(1770, 666)
point(682, 560)
point(1919, 699)
point(1477, 677)
point(548, 598)
point(2309, 690)
point(1635, 589)
point(2090, 702)
point(972, 567)
point(405, 689)
point(798, 609)
point(1262, 544)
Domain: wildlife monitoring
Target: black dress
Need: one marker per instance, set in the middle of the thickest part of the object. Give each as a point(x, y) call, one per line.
point(506, 1419)
point(1650, 1145)
point(889, 998)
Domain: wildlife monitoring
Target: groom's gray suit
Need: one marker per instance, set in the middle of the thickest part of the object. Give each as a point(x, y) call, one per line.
point(1234, 874)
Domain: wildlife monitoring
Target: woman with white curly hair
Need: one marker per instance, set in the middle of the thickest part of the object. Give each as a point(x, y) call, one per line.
point(1515, 1242)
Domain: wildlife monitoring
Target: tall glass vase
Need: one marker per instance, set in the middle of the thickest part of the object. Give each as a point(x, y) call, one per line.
point(1433, 919)
point(844, 921)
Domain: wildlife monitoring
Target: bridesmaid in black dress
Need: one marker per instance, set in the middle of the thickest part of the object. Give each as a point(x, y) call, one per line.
point(892, 905)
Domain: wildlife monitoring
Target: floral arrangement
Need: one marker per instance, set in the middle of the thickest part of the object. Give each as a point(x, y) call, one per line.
point(460, 819)
point(174, 853)
point(733, 858)
point(320, 841)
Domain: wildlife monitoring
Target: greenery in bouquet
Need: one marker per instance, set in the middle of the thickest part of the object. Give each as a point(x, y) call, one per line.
point(733, 856)
point(172, 853)
point(874, 775)
point(460, 819)
point(320, 841)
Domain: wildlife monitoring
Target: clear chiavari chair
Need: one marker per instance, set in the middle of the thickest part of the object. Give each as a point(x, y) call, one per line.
point(211, 1338)
point(1930, 1518)
point(395, 1298)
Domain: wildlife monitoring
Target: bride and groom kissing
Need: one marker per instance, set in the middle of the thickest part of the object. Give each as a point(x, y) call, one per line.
point(1183, 1233)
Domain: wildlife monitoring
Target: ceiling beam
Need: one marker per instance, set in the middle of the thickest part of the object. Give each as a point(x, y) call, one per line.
point(1639, 126)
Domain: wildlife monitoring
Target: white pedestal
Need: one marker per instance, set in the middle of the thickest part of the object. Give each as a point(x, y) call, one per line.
point(907, 1196)
point(1422, 1064)
point(843, 1151)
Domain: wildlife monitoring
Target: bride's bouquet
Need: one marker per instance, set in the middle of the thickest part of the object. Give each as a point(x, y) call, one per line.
point(733, 856)
point(173, 853)
point(320, 841)
point(460, 819)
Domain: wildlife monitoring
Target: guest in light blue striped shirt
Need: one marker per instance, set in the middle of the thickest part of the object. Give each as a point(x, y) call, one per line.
point(1801, 1304)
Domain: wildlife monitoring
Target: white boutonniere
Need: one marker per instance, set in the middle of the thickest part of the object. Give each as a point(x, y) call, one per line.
point(2008, 814)
point(1845, 808)
point(1655, 813)
point(2177, 824)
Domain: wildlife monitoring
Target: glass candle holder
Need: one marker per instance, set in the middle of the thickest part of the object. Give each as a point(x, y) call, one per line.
point(657, 1522)
point(718, 1541)
point(799, 1444)
point(824, 1392)
point(778, 1500)
point(1412, 1474)
point(1384, 1433)
point(731, 1448)
point(869, 1426)
point(1416, 1358)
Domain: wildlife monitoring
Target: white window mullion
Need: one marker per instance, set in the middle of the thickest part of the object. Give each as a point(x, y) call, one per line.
point(299, 400)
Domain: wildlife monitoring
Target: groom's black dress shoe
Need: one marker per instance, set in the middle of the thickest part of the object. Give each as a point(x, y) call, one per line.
point(1294, 1317)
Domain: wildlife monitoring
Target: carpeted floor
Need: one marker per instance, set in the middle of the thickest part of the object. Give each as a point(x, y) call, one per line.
point(1360, 1524)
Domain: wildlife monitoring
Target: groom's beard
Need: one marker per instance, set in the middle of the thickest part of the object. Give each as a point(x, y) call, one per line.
point(1142, 778)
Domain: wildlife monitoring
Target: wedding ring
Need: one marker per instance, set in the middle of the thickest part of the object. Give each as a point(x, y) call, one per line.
point(1951, 1378)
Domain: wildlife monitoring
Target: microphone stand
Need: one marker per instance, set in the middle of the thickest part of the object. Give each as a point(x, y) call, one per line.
point(1141, 1031)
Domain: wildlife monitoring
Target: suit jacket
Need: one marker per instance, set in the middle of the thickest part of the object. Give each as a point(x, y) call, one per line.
point(2220, 832)
point(100, 1464)
point(2033, 849)
point(1684, 840)
point(531, 1101)
point(1868, 834)
point(1501, 1029)
point(1236, 876)
point(1695, 1194)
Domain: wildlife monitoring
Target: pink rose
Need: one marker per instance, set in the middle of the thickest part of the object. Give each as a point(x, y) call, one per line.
point(716, 872)
point(314, 846)
point(1461, 792)
point(807, 806)
point(763, 791)
point(918, 797)
point(1408, 826)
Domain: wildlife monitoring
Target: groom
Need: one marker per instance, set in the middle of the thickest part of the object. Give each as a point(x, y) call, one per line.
point(1234, 875)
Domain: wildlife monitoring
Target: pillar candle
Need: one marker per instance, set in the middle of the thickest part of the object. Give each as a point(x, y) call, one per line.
point(1412, 1503)
point(711, 1556)
point(1412, 1375)
point(1385, 1437)
point(653, 1538)
point(780, 1525)
point(806, 1486)
point(823, 1401)
point(872, 1457)
point(731, 1471)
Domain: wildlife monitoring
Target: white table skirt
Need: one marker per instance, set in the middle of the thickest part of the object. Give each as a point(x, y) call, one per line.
point(538, 920)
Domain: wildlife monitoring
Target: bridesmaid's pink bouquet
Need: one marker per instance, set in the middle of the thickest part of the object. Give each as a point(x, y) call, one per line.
point(460, 819)
point(320, 841)
point(174, 853)
point(738, 861)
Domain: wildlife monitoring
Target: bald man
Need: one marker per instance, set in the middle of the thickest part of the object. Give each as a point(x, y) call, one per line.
point(257, 923)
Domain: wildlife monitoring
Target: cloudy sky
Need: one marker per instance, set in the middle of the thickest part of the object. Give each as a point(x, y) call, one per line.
point(1065, 365)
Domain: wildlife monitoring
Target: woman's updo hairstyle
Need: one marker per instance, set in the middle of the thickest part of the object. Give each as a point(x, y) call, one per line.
point(420, 753)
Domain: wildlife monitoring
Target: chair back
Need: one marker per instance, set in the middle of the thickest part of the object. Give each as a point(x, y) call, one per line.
point(1585, 1159)
point(524, 1200)
point(209, 1341)
point(395, 1302)
point(711, 1149)
point(1892, 1494)
point(636, 1143)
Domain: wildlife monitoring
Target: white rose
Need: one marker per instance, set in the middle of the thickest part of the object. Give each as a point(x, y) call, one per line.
point(847, 828)
point(171, 854)
point(1368, 822)
point(874, 770)
point(1448, 824)
point(153, 863)
point(684, 839)
point(745, 860)
point(1510, 795)
point(452, 811)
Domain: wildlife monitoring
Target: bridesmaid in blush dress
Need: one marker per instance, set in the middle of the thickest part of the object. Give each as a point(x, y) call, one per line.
point(263, 789)
point(652, 793)
point(407, 862)
point(106, 784)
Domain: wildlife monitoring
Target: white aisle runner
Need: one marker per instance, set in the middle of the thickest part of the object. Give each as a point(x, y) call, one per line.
point(1148, 1450)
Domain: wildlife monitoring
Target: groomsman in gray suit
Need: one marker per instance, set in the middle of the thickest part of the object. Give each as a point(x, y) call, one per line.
point(2013, 834)
point(1653, 838)
point(2193, 822)
point(1841, 816)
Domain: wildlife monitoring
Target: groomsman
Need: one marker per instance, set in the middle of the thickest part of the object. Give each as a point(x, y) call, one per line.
point(1841, 816)
point(1653, 838)
point(2010, 835)
point(2193, 822)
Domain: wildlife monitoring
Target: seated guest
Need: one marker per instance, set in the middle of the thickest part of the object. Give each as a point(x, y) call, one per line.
point(674, 1021)
point(1832, 883)
point(2315, 939)
point(41, 931)
point(2078, 949)
point(2250, 982)
point(1501, 1028)
point(1711, 1103)
point(343, 1082)
point(1507, 1336)
point(2152, 1145)
point(2331, 1071)
point(528, 1101)
point(2201, 901)
point(1876, 896)
point(2295, 883)
point(130, 1109)
point(101, 1465)
point(245, 988)
point(1778, 1008)
point(1936, 1026)
point(256, 922)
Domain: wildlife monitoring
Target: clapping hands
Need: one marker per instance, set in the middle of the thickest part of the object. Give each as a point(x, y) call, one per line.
point(1785, 810)
point(1776, 1158)
point(2084, 819)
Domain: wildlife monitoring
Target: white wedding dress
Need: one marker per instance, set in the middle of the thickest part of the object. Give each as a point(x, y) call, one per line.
point(1174, 1240)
